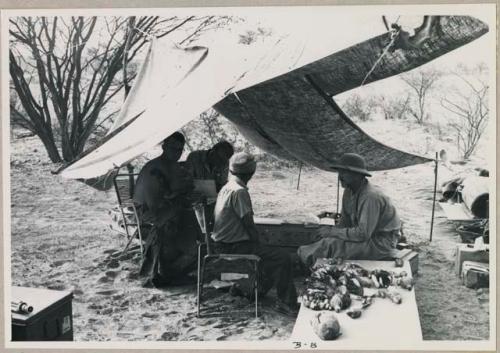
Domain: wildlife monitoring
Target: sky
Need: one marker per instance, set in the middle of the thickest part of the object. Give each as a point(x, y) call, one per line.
point(330, 29)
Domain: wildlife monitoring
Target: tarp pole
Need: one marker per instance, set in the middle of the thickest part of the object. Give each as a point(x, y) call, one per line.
point(434, 196)
point(338, 192)
point(300, 170)
point(128, 36)
point(127, 87)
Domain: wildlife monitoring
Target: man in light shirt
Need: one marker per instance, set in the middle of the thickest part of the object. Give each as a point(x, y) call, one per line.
point(235, 233)
point(369, 225)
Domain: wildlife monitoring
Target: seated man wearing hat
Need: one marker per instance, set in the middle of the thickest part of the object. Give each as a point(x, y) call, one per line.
point(235, 233)
point(369, 225)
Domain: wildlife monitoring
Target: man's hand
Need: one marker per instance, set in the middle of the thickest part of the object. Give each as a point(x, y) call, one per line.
point(324, 214)
point(325, 232)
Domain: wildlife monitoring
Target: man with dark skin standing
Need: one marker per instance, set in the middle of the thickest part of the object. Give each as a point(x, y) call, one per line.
point(161, 192)
point(369, 225)
point(211, 164)
point(235, 233)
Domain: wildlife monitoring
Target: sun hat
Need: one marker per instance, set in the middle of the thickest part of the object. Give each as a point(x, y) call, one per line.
point(352, 162)
point(242, 163)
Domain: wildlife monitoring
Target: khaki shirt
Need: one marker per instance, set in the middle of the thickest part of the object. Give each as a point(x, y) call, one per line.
point(366, 213)
point(233, 203)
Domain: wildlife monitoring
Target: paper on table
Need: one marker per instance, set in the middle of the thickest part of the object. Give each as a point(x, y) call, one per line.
point(327, 221)
point(206, 188)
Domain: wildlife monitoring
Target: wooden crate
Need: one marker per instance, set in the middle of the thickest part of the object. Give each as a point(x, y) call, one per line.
point(475, 274)
point(467, 252)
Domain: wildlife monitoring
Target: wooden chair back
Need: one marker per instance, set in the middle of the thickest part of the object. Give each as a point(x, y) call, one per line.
point(124, 187)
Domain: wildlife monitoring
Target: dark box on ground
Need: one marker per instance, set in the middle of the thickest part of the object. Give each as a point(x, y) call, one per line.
point(51, 319)
point(475, 274)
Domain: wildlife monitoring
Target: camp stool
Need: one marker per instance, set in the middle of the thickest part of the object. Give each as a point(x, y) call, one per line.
point(204, 261)
point(124, 187)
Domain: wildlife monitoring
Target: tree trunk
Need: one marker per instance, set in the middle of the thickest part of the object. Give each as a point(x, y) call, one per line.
point(50, 146)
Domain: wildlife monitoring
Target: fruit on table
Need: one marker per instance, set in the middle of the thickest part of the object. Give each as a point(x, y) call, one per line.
point(381, 278)
point(405, 283)
point(326, 326)
point(365, 282)
point(354, 286)
point(332, 285)
point(336, 302)
point(395, 297)
point(340, 302)
point(354, 313)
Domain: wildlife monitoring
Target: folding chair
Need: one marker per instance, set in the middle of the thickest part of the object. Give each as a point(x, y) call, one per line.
point(124, 188)
point(204, 261)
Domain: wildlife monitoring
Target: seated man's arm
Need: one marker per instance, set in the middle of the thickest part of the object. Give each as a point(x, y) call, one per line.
point(242, 206)
point(180, 182)
point(250, 227)
point(188, 164)
point(153, 194)
point(369, 214)
point(344, 221)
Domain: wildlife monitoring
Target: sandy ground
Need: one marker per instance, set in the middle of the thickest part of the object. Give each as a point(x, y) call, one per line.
point(60, 239)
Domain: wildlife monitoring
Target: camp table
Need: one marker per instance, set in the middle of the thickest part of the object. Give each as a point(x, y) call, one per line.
point(456, 211)
point(383, 324)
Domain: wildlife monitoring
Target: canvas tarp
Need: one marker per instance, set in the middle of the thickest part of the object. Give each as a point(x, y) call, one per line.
point(277, 89)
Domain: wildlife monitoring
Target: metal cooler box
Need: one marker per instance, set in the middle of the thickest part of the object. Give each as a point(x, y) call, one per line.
point(51, 319)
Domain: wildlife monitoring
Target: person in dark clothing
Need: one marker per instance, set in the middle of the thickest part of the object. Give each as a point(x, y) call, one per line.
point(235, 233)
point(161, 192)
point(212, 163)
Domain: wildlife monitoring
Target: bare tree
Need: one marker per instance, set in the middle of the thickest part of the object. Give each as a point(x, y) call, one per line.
point(209, 129)
point(213, 125)
point(361, 108)
point(251, 36)
point(470, 106)
point(64, 70)
point(420, 83)
point(394, 108)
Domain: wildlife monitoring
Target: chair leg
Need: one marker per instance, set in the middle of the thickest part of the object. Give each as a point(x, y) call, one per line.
point(128, 243)
point(138, 231)
point(125, 223)
point(198, 281)
point(256, 289)
point(140, 242)
point(202, 275)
